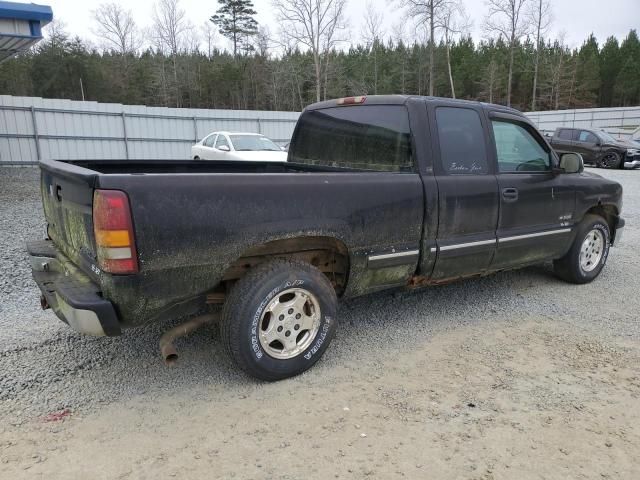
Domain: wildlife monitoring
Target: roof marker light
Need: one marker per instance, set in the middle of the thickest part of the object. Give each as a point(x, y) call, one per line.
point(352, 100)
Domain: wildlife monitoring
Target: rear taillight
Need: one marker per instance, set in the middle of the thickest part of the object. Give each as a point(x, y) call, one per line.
point(113, 228)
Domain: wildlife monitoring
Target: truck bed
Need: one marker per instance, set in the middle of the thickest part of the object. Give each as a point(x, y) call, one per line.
point(195, 220)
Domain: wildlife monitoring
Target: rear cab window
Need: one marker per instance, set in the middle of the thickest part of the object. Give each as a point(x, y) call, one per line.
point(361, 137)
point(565, 134)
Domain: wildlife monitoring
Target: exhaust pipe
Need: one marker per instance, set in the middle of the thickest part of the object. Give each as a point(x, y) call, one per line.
point(168, 350)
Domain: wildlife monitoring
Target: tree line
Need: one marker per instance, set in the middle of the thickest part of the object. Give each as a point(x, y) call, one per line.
point(172, 63)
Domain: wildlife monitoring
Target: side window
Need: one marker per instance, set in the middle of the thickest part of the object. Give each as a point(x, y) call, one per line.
point(208, 142)
point(518, 150)
point(222, 140)
point(462, 143)
point(587, 137)
point(565, 134)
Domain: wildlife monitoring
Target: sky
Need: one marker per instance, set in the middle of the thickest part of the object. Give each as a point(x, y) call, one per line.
point(575, 19)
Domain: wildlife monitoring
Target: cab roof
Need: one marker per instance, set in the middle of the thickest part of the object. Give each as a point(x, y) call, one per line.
point(403, 99)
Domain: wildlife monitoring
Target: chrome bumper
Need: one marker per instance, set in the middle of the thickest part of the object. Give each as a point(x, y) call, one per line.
point(73, 297)
point(635, 163)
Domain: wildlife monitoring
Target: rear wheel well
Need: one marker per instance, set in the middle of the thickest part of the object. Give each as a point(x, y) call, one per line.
point(608, 212)
point(327, 254)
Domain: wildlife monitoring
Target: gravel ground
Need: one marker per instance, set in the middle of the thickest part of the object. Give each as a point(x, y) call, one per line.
point(383, 340)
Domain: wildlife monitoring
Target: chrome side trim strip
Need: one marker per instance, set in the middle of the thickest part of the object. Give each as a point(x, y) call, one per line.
point(466, 245)
point(386, 256)
point(534, 235)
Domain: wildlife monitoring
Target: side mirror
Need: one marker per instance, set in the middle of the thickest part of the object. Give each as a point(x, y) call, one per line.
point(224, 148)
point(571, 163)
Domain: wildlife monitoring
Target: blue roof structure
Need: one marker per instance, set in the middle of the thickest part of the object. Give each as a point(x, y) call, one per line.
point(21, 26)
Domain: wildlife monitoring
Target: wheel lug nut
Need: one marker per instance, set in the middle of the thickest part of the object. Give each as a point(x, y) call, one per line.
point(279, 329)
point(281, 317)
point(298, 316)
point(287, 333)
point(290, 311)
point(297, 327)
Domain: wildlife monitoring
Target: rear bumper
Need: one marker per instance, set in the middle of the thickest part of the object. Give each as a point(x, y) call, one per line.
point(74, 298)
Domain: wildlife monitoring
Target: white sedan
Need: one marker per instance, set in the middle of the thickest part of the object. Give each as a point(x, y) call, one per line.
point(237, 146)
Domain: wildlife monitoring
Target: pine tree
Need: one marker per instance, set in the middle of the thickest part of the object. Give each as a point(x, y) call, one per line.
point(627, 87)
point(235, 20)
point(610, 62)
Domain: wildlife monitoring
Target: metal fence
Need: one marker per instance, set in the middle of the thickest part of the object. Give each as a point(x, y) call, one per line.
point(622, 120)
point(36, 128)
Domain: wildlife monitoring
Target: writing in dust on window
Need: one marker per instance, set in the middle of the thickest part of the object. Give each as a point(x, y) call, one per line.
point(457, 167)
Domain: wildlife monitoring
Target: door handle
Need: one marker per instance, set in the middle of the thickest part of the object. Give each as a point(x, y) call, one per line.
point(510, 194)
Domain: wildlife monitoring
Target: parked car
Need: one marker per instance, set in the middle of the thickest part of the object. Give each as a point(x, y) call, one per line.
point(380, 192)
point(597, 147)
point(238, 146)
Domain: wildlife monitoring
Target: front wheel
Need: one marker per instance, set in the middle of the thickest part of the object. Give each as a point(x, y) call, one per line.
point(279, 319)
point(610, 160)
point(588, 254)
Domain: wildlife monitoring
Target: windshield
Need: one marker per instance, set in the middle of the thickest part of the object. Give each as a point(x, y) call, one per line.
point(606, 137)
point(245, 143)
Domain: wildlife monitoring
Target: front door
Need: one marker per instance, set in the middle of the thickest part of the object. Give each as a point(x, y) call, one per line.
point(587, 145)
point(536, 205)
point(467, 192)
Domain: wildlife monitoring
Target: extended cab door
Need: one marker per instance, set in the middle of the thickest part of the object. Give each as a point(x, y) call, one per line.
point(536, 204)
point(562, 140)
point(468, 200)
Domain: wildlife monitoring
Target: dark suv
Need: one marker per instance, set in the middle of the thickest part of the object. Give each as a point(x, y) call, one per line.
point(596, 147)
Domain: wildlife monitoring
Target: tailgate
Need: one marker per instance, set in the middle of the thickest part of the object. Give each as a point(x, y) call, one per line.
point(67, 198)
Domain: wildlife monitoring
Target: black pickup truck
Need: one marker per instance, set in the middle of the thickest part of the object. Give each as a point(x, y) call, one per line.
point(596, 147)
point(378, 193)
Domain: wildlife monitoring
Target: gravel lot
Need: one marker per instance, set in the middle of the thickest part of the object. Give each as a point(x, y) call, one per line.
point(516, 375)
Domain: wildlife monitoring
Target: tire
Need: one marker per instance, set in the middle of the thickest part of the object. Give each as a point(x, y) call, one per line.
point(588, 253)
point(611, 160)
point(196, 158)
point(279, 319)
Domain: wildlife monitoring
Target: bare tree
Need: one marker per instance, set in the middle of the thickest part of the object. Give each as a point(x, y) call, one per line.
point(170, 27)
point(373, 33)
point(557, 69)
point(314, 24)
point(117, 28)
point(508, 19)
point(490, 80)
point(400, 38)
point(372, 30)
point(429, 14)
point(263, 41)
point(454, 21)
point(209, 37)
point(55, 33)
point(540, 16)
